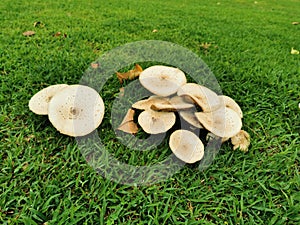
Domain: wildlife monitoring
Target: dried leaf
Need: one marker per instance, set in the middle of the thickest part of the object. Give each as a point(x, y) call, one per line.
point(130, 75)
point(155, 31)
point(29, 33)
point(57, 34)
point(295, 23)
point(241, 141)
point(95, 65)
point(128, 125)
point(122, 90)
point(205, 45)
point(294, 52)
point(38, 24)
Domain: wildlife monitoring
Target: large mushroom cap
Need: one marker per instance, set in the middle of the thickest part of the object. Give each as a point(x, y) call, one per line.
point(207, 99)
point(153, 122)
point(162, 80)
point(39, 102)
point(186, 146)
point(223, 122)
point(230, 103)
point(189, 116)
point(76, 110)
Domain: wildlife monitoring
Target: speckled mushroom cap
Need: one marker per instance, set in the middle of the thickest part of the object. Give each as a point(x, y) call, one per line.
point(76, 110)
point(223, 122)
point(147, 103)
point(175, 103)
point(230, 103)
point(186, 146)
point(162, 80)
point(207, 99)
point(40, 101)
point(153, 122)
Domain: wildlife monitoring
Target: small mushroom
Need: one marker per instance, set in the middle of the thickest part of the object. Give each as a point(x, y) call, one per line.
point(153, 122)
point(77, 110)
point(40, 101)
point(207, 99)
point(176, 103)
point(186, 146)
point(230, 103)
point(189, 116)
point(241, 140)
point(223, 122)
point(147, 103)
point(162, 80)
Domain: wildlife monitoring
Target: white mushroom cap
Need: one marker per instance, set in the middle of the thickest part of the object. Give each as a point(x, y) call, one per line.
point(153, 122)
point(39, 102)
point(147, 103)
point(76, 110)
point(223, 122)
point(186, 146)
point(207, 99)
point(162, 80)
point(190, 117)
point(230, 103)
point(176, 103)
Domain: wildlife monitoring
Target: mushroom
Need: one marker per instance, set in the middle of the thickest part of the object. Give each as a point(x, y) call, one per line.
point(128, 125)
point(76, 110)
point(162, 80)
point(223, 122)
point(241, 140)
point(190, 117)
point(153, 122)
point(147, 103)
point(186, 146)
point(202, 96)
point(40, 101)
point(230, 103)
point(174, 104)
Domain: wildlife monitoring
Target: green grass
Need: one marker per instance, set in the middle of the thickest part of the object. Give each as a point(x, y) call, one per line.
point(44, 179)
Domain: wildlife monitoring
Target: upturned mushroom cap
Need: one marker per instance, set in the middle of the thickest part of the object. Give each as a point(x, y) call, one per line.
point(223, 122)
point(241, 140)
point(128, 125)
point(176, 103)
point(189, 116)
point(40, 101)
point(153, 122)
point(207, 99)
point(147, 103)
point(230, 103)
point(162, 80)
point(77, 110)
point(186, 146)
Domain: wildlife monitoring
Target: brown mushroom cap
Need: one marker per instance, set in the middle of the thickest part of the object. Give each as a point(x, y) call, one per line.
point(77, 110)
point(186, 146)
point(147, 103)
point(153, 122)
point(207, 99)
point(230, 103)
point(162, 80)
point(40, 101)
point(223, 122)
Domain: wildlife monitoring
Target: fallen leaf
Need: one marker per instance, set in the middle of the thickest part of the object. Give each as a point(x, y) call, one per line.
point(95, 65)
point(131, 74)
point(38, 24)
point(294, 52)
point(128, 125)
point(122, 91)
point(29, 33)
point(155, 31)
point(57, 34)
point(295, 23)
point(205, 45)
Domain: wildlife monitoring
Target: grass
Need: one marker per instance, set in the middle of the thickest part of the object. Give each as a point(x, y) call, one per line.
point(44, 179)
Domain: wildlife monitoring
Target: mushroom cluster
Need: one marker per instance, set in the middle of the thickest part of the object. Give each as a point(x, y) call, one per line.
point(74, 110)
point(198, 105)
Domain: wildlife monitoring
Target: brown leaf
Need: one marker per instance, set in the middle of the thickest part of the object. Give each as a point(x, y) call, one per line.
point(131, 74)
point(295, 23)
point(95, 65)
point(29, 33)
point(57, 34)
point(122, 90)
point(128, 125)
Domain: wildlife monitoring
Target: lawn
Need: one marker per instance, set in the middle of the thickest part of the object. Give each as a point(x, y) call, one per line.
point(44, 179)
